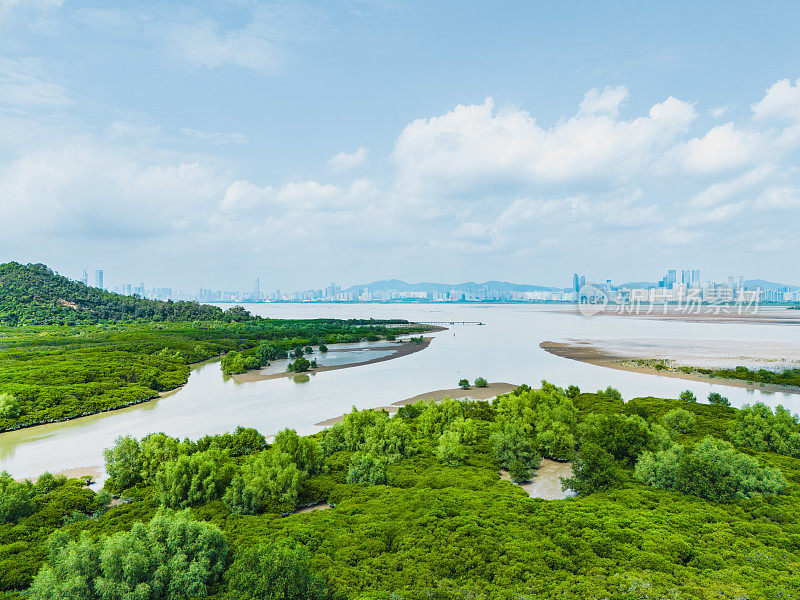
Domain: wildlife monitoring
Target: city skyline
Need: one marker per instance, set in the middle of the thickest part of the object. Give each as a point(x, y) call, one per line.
point(293, 140)
point(690, 285)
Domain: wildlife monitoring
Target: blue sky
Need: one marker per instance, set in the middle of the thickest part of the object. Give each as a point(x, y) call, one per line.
point(194, 146)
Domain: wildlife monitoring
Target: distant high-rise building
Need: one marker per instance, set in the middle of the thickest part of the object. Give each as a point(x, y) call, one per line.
point(127, 289)
point(98, 278)
point(695, 278)
point(671, 278)
point(85, 278)
point(582, 281)
point(256, 289)
point(576, 284)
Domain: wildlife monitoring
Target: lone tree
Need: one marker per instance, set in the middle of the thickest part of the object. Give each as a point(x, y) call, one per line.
point(481, 382)
point(717, 398)
point(688, 397)
point(463, 384)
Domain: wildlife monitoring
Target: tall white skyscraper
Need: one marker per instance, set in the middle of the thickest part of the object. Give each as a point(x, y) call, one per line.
point(98, 278)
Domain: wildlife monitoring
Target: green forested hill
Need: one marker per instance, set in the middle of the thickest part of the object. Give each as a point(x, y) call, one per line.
point(68, 350)
point(36, 295)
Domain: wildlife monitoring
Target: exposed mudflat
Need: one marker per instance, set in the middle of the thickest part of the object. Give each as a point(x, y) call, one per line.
point(546, 483)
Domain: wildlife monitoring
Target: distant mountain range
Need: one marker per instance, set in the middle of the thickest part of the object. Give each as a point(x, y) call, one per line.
point(505, 286)
point(767, 285)
point(402, 286)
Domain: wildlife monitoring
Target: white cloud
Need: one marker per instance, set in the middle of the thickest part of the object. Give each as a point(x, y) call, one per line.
point(719, 192)
point(722, 148)
point(84, 187)
point(343, 161)
point(24, 82)
point(603, 102)
point(718, 214)
point(473, 147)
point(781, 101)
point(204, 44)
point(720, 111)
point(215, 137)
point(779, 197)
point(261, 44)
point(674, 236)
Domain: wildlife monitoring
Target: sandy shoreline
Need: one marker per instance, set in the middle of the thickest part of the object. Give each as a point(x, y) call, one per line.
point(473, 393)
point(586, 352)
point(403, 349)
point(73, 473)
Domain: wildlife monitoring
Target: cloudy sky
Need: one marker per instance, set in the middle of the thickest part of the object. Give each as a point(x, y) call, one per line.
point(358, 140)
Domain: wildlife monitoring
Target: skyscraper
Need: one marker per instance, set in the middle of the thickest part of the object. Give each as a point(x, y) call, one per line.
point(256, 289)
point(672, 275)
point(85, 278)
point(98, 278)
point(576, 282)
point(696, 278)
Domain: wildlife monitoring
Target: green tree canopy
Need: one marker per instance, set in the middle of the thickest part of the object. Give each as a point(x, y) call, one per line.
point(713, 470)
point(170, 558)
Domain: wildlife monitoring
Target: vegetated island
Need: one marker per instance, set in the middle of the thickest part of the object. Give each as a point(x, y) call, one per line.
point(489, 391)
point(672, 499)
point(302, 365)
point(786, 381)
point(68, 350)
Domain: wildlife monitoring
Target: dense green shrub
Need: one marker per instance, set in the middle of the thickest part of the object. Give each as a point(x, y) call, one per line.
point(170, 558)
point(758, 427)
point(244, 440)
point(624, 437)
point(719, 399)
point(367, 470)
point(463, 384)
point(594, 469)
point(519, 471)
point(194, 478)
point(275, 572)
point(688, 397)
point(124, 463)
point(267, 478)
point(303, 452)
point(436, 416)
point(16, 499)
point(546, 415)
point(301, 365)
point(390, 438)
point(612, 394)
point(679, 421)
point(9, 407)
point(510, 445)
point(449, 449)
point(713, 469)
point(480, 382)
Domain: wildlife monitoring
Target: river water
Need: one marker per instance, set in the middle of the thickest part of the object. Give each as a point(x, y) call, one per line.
point(506, 348)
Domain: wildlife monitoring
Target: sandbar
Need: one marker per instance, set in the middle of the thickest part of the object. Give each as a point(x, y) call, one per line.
point(596, 352)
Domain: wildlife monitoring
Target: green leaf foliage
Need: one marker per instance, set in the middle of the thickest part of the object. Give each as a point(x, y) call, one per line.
point(275, 572)
point(760, 428)
point(713, 469)
point(170, 558)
